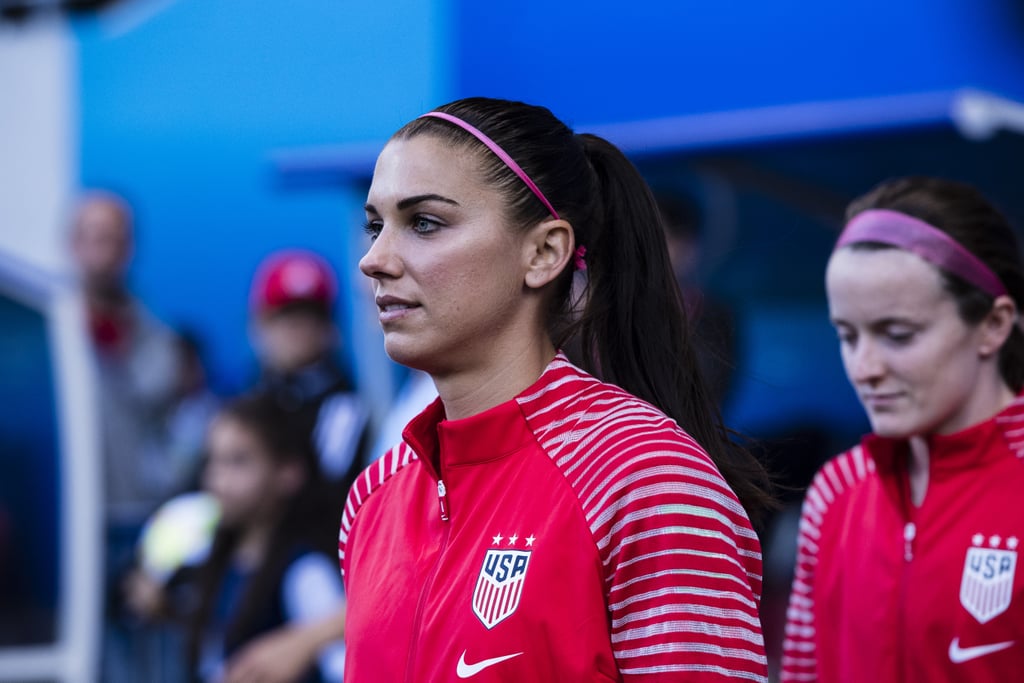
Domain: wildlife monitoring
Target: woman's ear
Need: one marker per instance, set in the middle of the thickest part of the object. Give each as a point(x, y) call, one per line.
point(997, 326)
point(548, 248)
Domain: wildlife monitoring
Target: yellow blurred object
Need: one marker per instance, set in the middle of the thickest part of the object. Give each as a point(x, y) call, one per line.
point(178, 534)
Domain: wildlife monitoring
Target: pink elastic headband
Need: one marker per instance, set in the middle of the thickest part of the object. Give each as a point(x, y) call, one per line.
point(496, 148)
point(914, 235)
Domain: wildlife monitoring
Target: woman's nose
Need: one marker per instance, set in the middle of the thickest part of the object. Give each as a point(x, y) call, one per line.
point(867, 363)
point(380, 259)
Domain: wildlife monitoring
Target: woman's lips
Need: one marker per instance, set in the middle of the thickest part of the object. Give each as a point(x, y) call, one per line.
point(392, 308)
point(881, 401)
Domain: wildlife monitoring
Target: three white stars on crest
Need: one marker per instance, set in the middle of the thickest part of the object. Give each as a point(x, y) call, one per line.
point(994, 540)
point(513, 539)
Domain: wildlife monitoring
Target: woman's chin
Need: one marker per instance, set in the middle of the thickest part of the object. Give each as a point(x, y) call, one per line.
point(889, 427)
point(405, 353)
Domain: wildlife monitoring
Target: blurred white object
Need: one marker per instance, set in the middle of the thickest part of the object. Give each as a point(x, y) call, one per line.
point(178, 534)
point(980, 115)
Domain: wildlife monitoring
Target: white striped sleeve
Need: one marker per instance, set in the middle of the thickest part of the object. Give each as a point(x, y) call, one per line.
point(683, 568)
point(372, 478)
point(681, 563)
point(800, 646)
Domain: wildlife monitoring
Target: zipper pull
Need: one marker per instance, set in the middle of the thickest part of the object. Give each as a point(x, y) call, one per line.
point(909, 532)
point(442, 499)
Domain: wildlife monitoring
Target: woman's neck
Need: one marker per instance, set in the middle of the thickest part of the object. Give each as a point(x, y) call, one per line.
point(470, 391)
point(990, 397)
point(917, 469)
point(994, 402)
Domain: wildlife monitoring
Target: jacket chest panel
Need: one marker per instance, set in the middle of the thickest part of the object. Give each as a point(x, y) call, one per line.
point(941, 582)
point(514, 570)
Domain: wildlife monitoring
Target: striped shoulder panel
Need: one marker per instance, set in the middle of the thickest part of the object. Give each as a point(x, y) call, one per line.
point(585, 425)
point(371, 479)
point(682, 564)
point(1011, 421)
point(833, 481)
point(594, 431)
point(836, 477)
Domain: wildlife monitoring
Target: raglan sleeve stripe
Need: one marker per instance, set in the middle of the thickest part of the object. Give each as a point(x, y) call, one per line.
point(799, 649)
point(683, 568)
point(371, 479)
point(799, 662)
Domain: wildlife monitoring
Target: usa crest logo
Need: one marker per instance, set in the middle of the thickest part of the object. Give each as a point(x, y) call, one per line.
point(500, 585)
point(986, 588)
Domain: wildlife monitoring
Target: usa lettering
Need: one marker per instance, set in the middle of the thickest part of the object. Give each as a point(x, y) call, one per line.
point(990, 566)
point(507, 566)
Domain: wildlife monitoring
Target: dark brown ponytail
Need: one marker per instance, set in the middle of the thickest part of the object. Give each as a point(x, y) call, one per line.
point(629, 326)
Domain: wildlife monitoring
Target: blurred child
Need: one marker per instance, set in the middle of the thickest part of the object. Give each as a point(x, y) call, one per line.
point(271, 564)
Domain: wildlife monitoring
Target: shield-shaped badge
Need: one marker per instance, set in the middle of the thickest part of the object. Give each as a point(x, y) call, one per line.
point(987, 585)
point(499, 585)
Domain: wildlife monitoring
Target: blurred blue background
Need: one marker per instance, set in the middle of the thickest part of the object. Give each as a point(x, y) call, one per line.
point(236, 128)
point(788, 109)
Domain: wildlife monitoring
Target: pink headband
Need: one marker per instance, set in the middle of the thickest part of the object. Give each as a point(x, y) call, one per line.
point(931, 244)
point(496, 148)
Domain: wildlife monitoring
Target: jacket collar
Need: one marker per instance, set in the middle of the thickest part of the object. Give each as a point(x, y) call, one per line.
point(968, 448)
point(493, 434)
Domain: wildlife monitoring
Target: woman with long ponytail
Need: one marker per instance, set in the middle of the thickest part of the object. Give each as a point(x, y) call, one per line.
point(545, 519)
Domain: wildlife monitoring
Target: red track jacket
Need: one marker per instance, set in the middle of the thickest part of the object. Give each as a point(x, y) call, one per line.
point(572, 534)
point(887, 592)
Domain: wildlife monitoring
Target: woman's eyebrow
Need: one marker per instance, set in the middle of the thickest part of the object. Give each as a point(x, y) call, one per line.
point(412, 201)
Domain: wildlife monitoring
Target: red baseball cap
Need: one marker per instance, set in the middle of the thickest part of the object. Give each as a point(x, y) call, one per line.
point(292, 276)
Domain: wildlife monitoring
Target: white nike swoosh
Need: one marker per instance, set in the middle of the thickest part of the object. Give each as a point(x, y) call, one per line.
point(467, 670)
point(959, 655)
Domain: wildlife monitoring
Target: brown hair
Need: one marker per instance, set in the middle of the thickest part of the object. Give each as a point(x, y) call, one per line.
point(308, 523)
point(632, 330)
point(960, 211)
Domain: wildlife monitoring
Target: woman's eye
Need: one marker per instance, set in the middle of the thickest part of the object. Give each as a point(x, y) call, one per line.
point(373, 228)
point(422, 224)
point(900, 336)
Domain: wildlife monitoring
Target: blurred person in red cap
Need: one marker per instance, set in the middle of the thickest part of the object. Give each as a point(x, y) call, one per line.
point(292, 300)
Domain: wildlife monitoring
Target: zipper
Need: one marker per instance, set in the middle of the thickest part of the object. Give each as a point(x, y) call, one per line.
point(910, 515)
point(909, 533)
point(442, 498)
